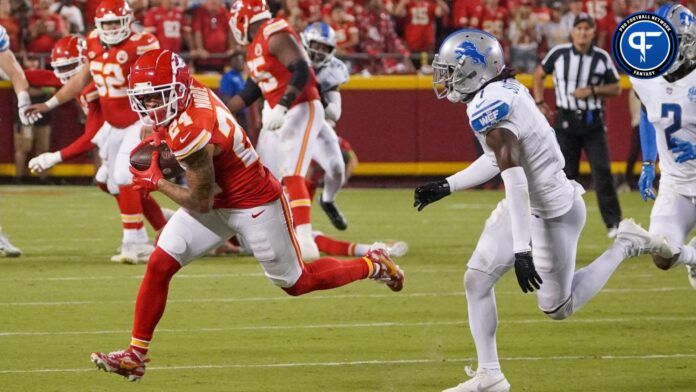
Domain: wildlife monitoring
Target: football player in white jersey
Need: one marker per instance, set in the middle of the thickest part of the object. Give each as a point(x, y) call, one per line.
point(319, 40)
point(13, 71)
point(668, 129)
point(535, 229)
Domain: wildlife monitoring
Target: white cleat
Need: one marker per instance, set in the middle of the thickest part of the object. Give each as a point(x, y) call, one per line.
point(6, 248)
point(397, 248)
point(308, 247)
point(134, 253)
point(691, 269)
point(641, 242)
point(482, 381)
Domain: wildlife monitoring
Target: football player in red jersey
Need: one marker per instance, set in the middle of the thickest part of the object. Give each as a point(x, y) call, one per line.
point(111, 49)
point(279, 70)
point(229, 192)
point(68, 57)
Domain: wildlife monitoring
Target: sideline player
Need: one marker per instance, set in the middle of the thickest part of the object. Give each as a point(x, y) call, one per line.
point(667, 102)
point(12, 69)
point(535, 229)
point(111, 49)
point(68, 57)
point(279, 71)
point(229, 192)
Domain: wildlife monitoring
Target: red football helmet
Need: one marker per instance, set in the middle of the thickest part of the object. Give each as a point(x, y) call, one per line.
point(113, 11)
point(243, 13)
point(158, 86)
point(68, 57)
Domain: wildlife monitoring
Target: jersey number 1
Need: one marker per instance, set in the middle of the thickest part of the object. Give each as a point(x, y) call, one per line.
point(676, 111)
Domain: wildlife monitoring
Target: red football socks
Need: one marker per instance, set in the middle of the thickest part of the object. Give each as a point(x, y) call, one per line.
point(300, 203)
point(152, 298)
point(152, 211)
point(131, 208)
point(328, 273)
point(334, 247)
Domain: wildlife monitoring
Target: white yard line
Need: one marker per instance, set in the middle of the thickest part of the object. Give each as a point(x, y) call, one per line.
point(350, 326)
point(368, 362)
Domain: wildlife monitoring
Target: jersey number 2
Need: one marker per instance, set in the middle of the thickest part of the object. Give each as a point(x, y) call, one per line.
point(676, 111)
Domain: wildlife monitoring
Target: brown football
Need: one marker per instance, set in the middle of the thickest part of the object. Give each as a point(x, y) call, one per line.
point(140, 160)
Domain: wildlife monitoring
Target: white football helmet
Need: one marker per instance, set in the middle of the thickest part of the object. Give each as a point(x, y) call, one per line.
point(467, 59)
point(685, 25)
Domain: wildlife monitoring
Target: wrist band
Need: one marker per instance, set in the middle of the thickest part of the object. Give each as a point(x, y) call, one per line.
point(539, 102)
point(648, 163)
point(52, 103)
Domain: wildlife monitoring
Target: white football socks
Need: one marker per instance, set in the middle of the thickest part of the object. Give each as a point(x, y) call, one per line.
point(483, 317)
point(589, 280)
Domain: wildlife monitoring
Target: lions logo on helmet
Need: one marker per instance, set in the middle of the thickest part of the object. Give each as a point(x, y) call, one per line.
point(685, 25)
point(467, 59)
point(319, 40)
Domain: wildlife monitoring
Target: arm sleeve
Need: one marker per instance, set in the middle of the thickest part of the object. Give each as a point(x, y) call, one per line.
point(332, 110)
point(517, 196)
point(480, 171)
point(648, 142)
point(78, 147)
point(250, 93)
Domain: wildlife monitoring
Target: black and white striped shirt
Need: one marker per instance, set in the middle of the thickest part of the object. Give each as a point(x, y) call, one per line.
point(572, 69)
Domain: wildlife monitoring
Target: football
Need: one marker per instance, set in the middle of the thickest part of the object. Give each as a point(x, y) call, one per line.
point(140, 160)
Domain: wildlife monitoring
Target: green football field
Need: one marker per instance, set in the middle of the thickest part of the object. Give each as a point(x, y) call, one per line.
point(227, 328)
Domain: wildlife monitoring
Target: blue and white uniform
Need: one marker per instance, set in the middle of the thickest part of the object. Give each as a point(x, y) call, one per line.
point(558, 210)
point(4, 40)
point(332, 75)
point(671, 109)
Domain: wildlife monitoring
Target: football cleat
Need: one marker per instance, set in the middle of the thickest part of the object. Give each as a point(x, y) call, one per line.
point(125, 363)
point(639, 241)
point(133, 253)
point(482, 381)
point(397, 248)
point(386, 270)
point(335, 216)
point(6, 248)
point(691, 269)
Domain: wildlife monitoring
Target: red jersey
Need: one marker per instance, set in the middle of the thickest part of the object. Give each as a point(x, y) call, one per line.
point(89, 101)
point(343, 33)
point(311, 10)
point(598, 9)
point(419, 30)
point(168, 25)
point(109, 67)
point(244, 181)
point(268, 72)
point(44, 42)
point(493, 21)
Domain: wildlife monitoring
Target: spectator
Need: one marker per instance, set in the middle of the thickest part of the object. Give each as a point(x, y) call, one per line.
point(36, 137)
point(574, 9)
point(303, 12)
point(72, 16)
point(210, 21)
point(45, 28)
point(524, 39)
point(347, 34)
point(555, 31)
point(232, 82)
point(12, 24)
point(491, 17)
point(378, 36)
point(168, 24)
point(419, 27)
point(140, 8)
point(89, 11)
point(606, 26)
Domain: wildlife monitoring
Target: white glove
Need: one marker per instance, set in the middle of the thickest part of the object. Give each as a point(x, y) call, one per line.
point(275, 117)
point(44, 162)
point(23, 102)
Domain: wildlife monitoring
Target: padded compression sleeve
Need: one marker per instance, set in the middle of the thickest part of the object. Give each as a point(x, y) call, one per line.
point(648, 143)
point(517, 196)
point(299, 77)
point(480, 171)
point(250, 93)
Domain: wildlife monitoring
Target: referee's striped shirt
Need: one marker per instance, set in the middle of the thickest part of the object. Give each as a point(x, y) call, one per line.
point(572, 70)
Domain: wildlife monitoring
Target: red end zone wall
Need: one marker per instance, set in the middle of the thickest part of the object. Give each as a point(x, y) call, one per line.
point(394, 123)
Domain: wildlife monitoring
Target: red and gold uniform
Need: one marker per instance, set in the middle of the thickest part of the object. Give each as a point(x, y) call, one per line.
point(244, 181)
point(168, 25)
point(494, 21)
point(109, 67)
point(419, 29)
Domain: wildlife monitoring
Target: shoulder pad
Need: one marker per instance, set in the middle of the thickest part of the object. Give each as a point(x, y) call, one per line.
point(189, 133)
point(146, 42)
point(275, 26)
point(486, 112)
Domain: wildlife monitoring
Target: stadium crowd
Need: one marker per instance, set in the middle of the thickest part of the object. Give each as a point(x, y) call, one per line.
point(374, 36)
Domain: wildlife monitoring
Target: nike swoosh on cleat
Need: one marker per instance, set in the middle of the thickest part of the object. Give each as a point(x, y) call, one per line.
point(254, 216)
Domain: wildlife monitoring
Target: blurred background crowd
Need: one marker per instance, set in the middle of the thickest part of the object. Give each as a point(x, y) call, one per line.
point(374, 36)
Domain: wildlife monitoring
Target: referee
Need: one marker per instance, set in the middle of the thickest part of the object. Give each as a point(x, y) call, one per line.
point(583, 75)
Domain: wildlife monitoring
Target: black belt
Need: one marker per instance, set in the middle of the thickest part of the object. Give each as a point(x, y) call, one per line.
point(585, 116)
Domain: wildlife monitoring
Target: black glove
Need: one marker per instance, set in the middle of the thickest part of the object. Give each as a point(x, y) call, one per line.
point(430, 193)
point(526, 274)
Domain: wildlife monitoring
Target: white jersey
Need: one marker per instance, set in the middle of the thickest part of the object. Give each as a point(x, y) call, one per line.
point(4, 40)
point(671, 108)
point(332, 75)
point(508, 104)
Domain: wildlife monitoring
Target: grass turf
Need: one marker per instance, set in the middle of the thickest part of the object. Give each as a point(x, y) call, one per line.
point(227, 328)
